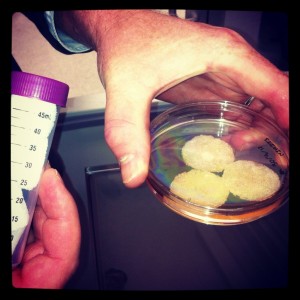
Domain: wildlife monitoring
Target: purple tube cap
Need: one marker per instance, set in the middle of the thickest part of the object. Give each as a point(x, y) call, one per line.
point(43, 88)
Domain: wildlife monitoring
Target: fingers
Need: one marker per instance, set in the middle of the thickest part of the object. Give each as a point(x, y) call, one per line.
point(216, 86)
point(60, 228)
point(260, 78)
point(245, 139)
point(127, 134)
point(50, 260)
point(203, 87)
point(43, 213)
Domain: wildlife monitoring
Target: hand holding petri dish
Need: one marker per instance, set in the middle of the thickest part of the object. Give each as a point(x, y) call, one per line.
point(218, 162)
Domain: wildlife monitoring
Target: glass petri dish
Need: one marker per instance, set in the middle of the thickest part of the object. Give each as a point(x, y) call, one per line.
point(256, 142)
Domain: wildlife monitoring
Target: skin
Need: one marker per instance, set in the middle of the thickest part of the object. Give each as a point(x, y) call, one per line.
point(142, 55)
point(52, 257)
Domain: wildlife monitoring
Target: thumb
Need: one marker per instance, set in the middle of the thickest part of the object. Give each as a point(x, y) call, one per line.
point(126, 132)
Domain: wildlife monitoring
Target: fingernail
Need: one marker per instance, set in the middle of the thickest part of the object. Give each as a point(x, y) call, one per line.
point(246, 146)
point(125, 159)
point(48, 166)
point(57, 174)
point(131, 167)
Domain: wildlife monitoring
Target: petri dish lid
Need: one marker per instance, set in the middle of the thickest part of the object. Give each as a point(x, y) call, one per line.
point(259, 146)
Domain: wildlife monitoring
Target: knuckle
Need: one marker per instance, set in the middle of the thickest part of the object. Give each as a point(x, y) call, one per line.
point(117, 131)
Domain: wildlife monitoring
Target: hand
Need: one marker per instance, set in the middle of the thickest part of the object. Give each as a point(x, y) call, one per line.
point(52, 257)
point(144, 55)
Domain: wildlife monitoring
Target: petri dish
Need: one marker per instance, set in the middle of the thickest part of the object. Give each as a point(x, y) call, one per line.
point(259, 182)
